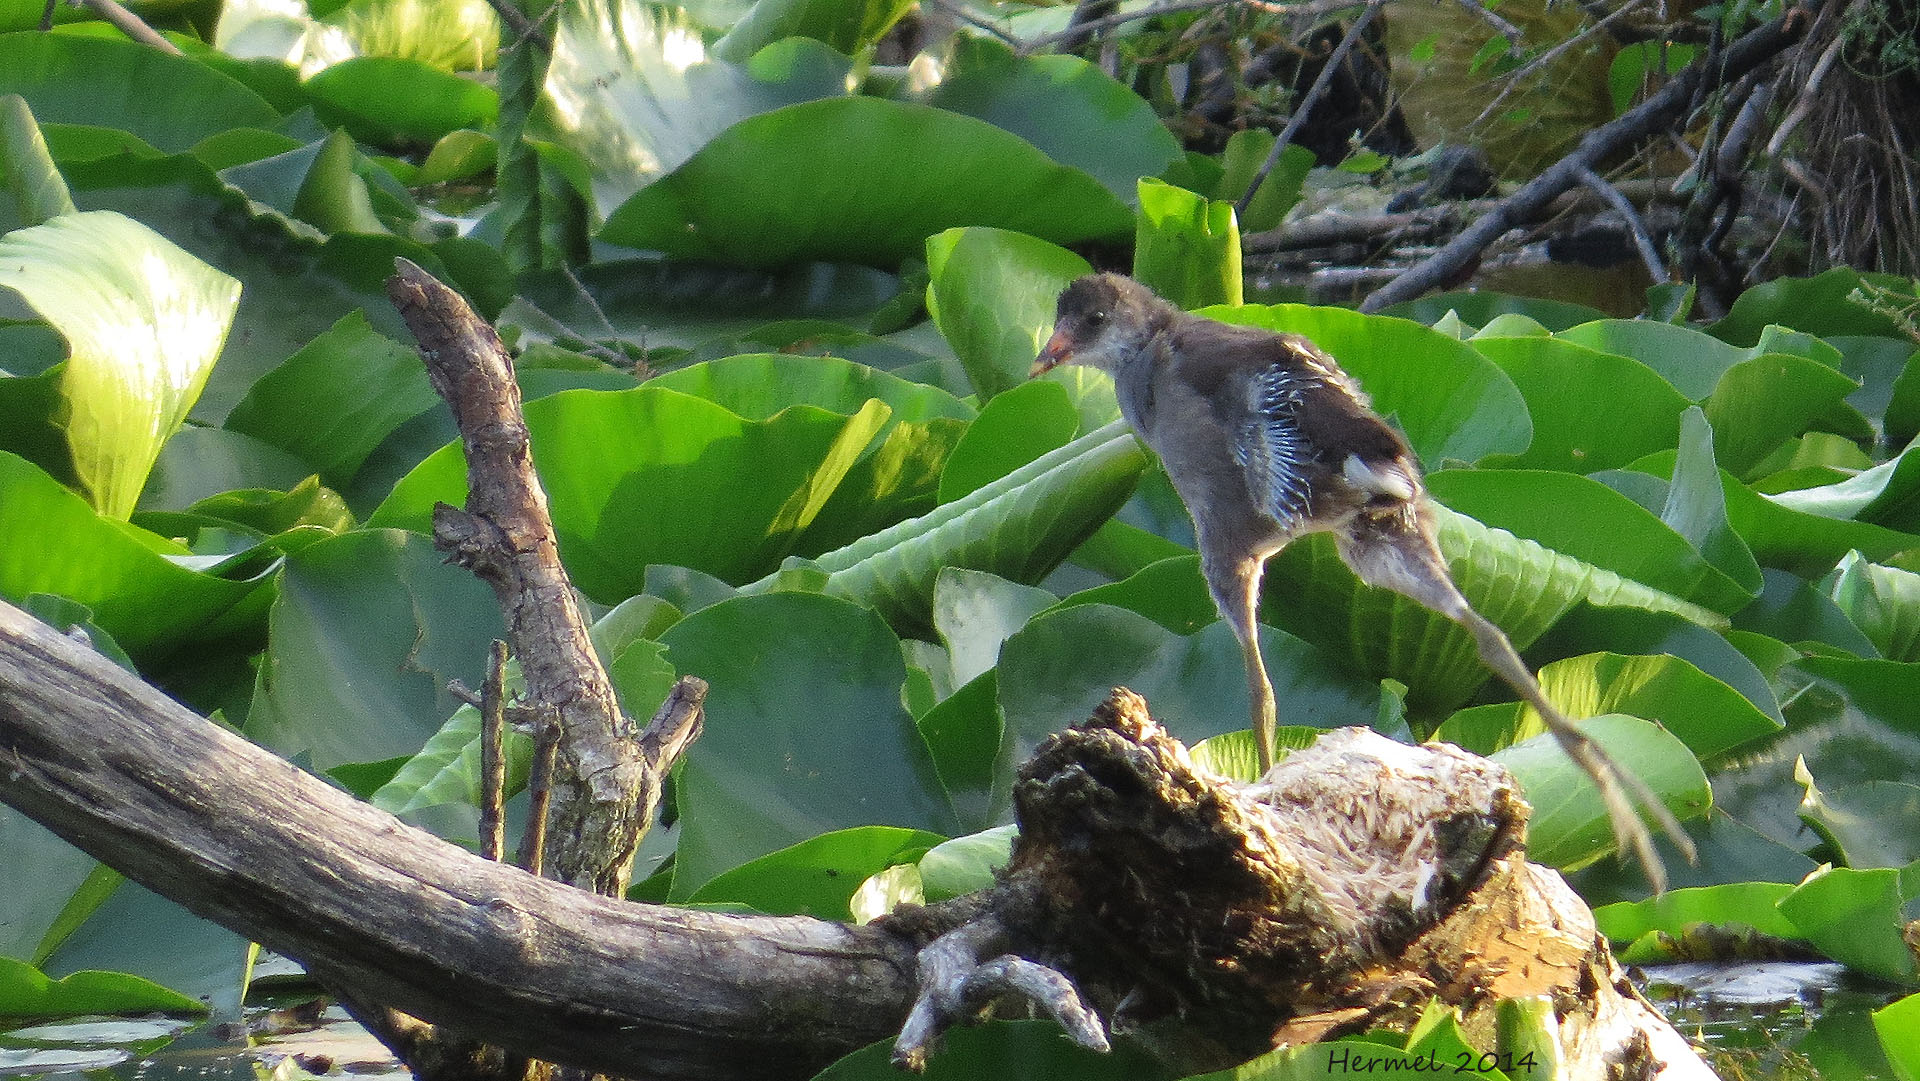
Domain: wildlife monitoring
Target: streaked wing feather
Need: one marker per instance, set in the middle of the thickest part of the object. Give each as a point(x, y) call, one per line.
point(1271, 447)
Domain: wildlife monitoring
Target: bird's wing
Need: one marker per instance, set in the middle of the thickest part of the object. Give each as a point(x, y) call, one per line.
point(1302, 429)
point(1271, 447)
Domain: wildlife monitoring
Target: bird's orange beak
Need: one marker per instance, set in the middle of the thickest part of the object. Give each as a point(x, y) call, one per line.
point(1057, 352)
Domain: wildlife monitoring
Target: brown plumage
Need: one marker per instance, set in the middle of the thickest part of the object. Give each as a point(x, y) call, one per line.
point(1266, 438)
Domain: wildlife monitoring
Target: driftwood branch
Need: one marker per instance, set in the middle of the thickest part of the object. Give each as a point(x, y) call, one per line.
point(399, 917)
point(1658, 113)
point(1208, 920)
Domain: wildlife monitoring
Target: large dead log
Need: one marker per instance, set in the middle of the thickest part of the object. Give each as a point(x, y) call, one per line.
point(1209, 919)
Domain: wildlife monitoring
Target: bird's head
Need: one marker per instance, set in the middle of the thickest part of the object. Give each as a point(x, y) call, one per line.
point(1102, 320)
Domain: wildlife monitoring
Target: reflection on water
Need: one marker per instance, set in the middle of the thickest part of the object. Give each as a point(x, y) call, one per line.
point(289, 1042)
point(1771, 1019)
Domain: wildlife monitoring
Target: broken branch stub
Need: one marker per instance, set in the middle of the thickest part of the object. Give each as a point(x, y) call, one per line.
point(1211, 919)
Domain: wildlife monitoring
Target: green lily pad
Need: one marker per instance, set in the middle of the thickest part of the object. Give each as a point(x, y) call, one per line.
point(630, 475)
point(770, 769)
point(893, 175)
point(992, 295)
point(818, 876)
point(144, 322)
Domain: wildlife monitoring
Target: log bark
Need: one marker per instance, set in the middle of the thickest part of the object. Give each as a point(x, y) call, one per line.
point(1206, 919)
point(401, 918)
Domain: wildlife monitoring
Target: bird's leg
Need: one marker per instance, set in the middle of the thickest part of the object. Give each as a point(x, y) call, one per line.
point(1236, 592)
point(1399, 553)
point(1260, 694)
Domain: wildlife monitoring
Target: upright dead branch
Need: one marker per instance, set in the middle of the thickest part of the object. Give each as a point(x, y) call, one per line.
point(506, 537)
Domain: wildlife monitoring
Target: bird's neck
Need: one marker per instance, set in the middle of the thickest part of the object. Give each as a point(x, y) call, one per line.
point(1133, 373)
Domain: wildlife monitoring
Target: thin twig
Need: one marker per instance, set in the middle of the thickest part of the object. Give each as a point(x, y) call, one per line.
point(1642, 239)
point(1658, 112)
point(520, 718)
point(46, 16)
point(1512, 80)
point(493, 762)
point(1808, 93)
point(1084, 12)
point(533, 843)
point(965, 14)
point(1174, 7)
point(131, 25)
point(522, 28)
point(1500, 25)
point(1307, 102)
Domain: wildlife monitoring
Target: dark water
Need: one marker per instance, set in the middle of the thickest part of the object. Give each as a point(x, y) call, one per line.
point(1772, 1020)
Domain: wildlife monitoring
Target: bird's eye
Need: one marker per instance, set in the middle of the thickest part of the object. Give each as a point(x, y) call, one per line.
point(1096, 318)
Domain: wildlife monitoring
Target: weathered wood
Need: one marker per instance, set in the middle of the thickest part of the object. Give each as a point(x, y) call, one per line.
point(1208, 919)
point(602, 804)
point(244, 838)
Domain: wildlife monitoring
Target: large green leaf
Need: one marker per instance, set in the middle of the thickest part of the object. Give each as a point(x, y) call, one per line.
point(899, 474)
point(819, 876)
point(1018, 527)
point(1451, 401)
point(1864, 825)
point(1696, 505)
point(333, 402)
point(1246, 152)
point(1884, 602)
point(26, 992)
point(1075, 113)
point(677, 304)
point(168, 102)
point(1763, 401)
point(1570, 826)
point(992, 294)
point(452, 35)
point(1855, 917)
point(805, 732)
point(1591, 410)
point(39, 904)
point(1692, 361)
point(846, 25)
point(144, 322)
point(138, 932)
point(135, 583)
point(1710, 717)
point(634, 95)
point(392, 101)
point(366, 632)
point(883, 177)
point(975, 612)
point(1821, 305)
point(1186, 247)
point(1013, 429)
point(1587, 520)
point(26, 169)
point(633, 476)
